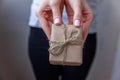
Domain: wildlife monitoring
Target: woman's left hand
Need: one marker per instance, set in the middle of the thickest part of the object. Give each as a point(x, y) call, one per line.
point(79, 14)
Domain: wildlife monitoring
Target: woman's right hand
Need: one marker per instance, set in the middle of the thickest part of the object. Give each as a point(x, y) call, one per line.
point(50, 11)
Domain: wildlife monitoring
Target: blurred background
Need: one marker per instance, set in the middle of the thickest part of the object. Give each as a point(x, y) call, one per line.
point(14, 62)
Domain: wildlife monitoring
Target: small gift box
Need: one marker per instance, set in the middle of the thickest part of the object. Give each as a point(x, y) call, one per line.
point(66, 45)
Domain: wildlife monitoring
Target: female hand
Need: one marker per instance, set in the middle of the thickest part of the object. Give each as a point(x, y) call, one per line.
point(50, 11)
point(80, 14)
point(87, 18)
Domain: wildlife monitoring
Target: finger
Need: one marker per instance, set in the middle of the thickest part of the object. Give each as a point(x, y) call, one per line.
point(77, 13)
point(86, 26)
point(44, 23)
point(48, 15)
point(88, 20)
point(46, 27)
point(55, 6)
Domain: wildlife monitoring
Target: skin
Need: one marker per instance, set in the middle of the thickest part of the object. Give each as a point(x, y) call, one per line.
point(50, 10)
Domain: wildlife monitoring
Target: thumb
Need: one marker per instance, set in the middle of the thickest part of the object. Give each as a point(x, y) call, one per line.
point(77, 15)
point(57, 17)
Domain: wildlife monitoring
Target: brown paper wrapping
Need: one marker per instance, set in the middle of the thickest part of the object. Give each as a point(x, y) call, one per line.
point(66, 45)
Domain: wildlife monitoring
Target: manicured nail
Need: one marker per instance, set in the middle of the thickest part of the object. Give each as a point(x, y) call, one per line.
point(57, 21)
point(77, 23)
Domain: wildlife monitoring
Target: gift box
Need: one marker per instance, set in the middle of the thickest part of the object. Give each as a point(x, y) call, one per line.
point(66, 45)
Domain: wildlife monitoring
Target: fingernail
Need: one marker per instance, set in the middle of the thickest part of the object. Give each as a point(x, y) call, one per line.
point(57, 21)
point(77, 23)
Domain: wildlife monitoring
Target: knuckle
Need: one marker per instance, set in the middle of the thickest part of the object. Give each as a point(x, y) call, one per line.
point(54, 3)
point(77, 15)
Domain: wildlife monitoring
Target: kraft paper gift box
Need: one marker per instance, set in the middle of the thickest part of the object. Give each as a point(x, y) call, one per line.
point(66, 45)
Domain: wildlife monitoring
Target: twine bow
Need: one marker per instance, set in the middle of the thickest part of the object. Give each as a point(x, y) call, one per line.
point(57, 47)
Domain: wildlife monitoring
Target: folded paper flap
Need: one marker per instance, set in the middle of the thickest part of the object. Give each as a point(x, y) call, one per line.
point(68, 35)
